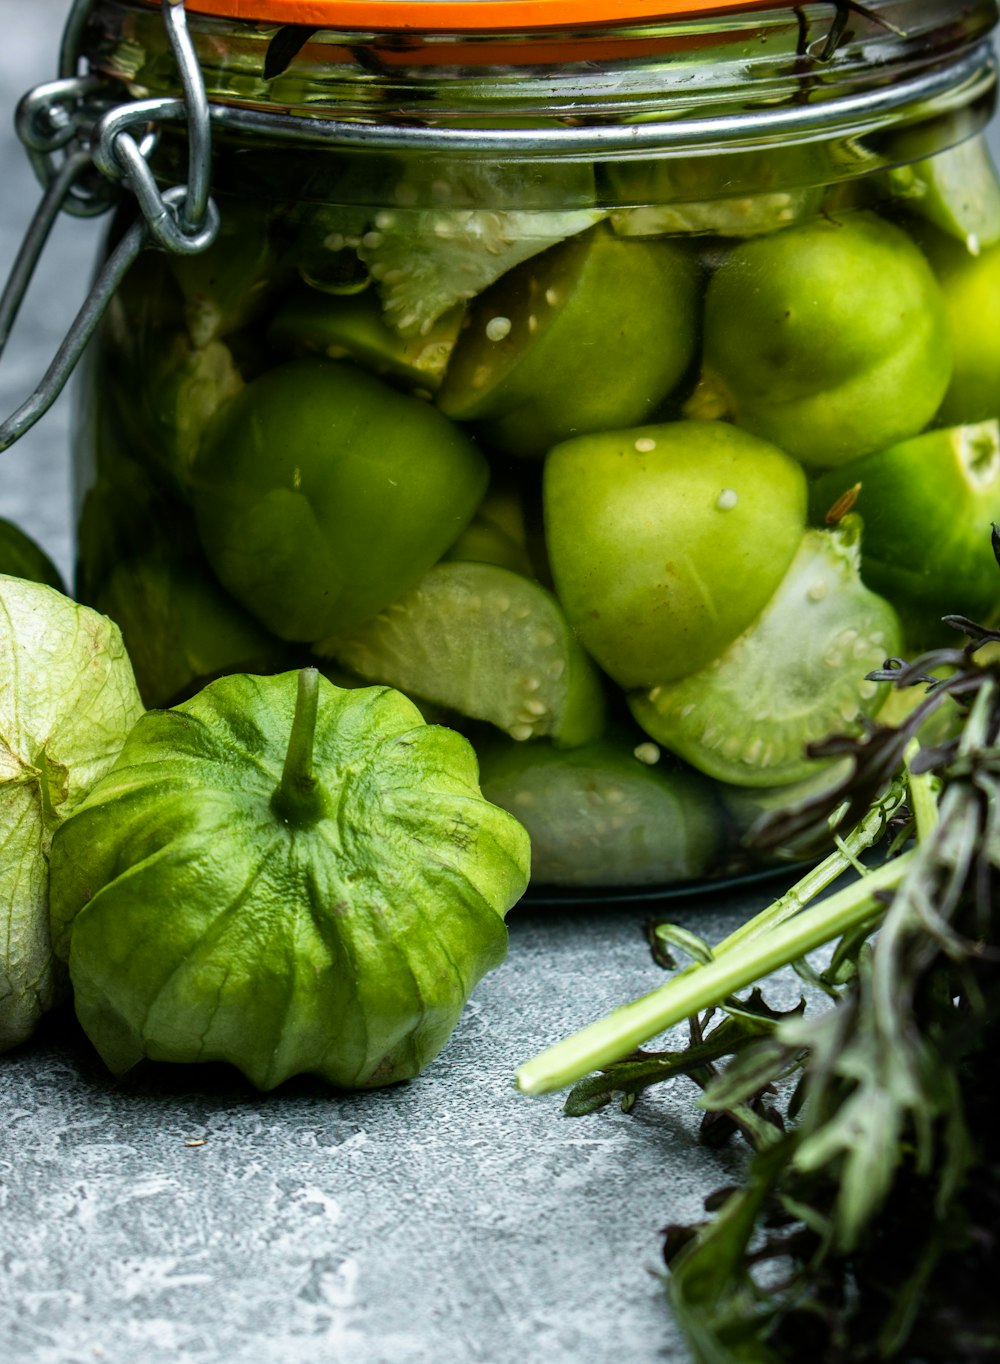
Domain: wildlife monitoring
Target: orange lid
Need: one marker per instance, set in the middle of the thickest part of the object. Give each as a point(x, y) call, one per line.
point(465, 16)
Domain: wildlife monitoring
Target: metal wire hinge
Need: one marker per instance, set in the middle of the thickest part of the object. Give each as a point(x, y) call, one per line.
point(84, 152)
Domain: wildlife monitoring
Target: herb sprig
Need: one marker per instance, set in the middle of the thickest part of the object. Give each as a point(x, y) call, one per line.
point(841, 1242)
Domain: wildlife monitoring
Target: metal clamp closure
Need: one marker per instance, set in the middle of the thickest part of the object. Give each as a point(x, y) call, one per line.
point(83, 153)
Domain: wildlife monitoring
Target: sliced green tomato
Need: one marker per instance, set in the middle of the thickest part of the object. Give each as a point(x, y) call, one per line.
point(598, 816)
point(957, 190)
point(487, 643)
point(666, 541)
point(323, 493)
point(592, 335)
point(971, 288)
point(353, 328)
point(795, 676)
point(830, 339)
point(927, 505)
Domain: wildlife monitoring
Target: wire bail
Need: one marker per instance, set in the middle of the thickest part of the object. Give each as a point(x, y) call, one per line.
point(82, 153)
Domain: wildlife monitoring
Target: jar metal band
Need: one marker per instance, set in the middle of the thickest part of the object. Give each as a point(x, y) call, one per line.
point(949, 85)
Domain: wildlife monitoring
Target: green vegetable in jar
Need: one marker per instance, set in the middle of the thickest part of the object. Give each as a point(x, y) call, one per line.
point(487, 643)
point(666, 541)
point(322, 493)
point(927, 506)
point(592, 335)
point(67, 701)
point(796, 675)
point(445, 230)
point(613, 812)
point(971, 287)
point(731, 196)
point(21, 557)
point(830, 338)
point(286, 876)
point(957, 190)
point(352, 327)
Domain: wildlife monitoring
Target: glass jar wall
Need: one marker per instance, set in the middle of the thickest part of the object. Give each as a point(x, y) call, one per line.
point(624, 396)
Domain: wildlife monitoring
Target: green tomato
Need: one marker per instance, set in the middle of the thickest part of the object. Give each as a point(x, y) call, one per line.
point(971, 287)
point(830, 339)
point(288, 877)
point(21, 557)
point(927, 504)
point(666, 541)
point(594, 334)
point(599, 815)
point(797, 674)
point(322, 494)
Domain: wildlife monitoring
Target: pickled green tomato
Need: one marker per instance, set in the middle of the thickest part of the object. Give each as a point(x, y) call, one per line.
point(971, 287)
point(830, 339)
point(927, 505)
point(666, 541)
point(600, 816)
point(592, 334)
point(321, 494)
point(486, 643)
point(352, 327)
point(797, 673)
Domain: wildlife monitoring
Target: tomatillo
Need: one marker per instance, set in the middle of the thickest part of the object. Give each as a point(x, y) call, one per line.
point(288, 877)
point(321, 494)
point(830, 338)
point(927, 504)
point(666, 541)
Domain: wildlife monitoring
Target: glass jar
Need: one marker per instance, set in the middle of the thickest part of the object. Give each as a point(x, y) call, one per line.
point(623, 389)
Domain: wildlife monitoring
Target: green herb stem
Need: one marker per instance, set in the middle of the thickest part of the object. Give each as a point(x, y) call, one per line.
point(299, 799)
point(862, 837)
point(699, 987)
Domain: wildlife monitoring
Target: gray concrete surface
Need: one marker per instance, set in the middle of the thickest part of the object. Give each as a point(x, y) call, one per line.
point(180, 1218)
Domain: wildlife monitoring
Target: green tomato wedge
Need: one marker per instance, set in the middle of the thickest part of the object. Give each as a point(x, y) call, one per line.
point(323, 493)
point(352, 327)
point(666, 541)
point(594, 334)
point(927, 505)
point(830, 339)
point(487, 643)
point(67, 701)
point(971, 288)
point(762, 192)
point(957, 190)
point(599, 816)
point(21, 557)
point(795, 676)
point(288, 877)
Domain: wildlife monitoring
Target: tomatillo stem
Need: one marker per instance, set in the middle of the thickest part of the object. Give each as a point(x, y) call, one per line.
point(620, 1032)
point(299, 799)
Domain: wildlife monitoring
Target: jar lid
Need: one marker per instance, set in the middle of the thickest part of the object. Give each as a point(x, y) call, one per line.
point(461, 16)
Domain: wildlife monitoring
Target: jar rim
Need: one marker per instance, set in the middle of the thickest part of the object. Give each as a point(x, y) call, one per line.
point(460, 16)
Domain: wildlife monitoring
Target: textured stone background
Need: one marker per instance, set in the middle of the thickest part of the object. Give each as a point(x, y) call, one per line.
point(180, 1218)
